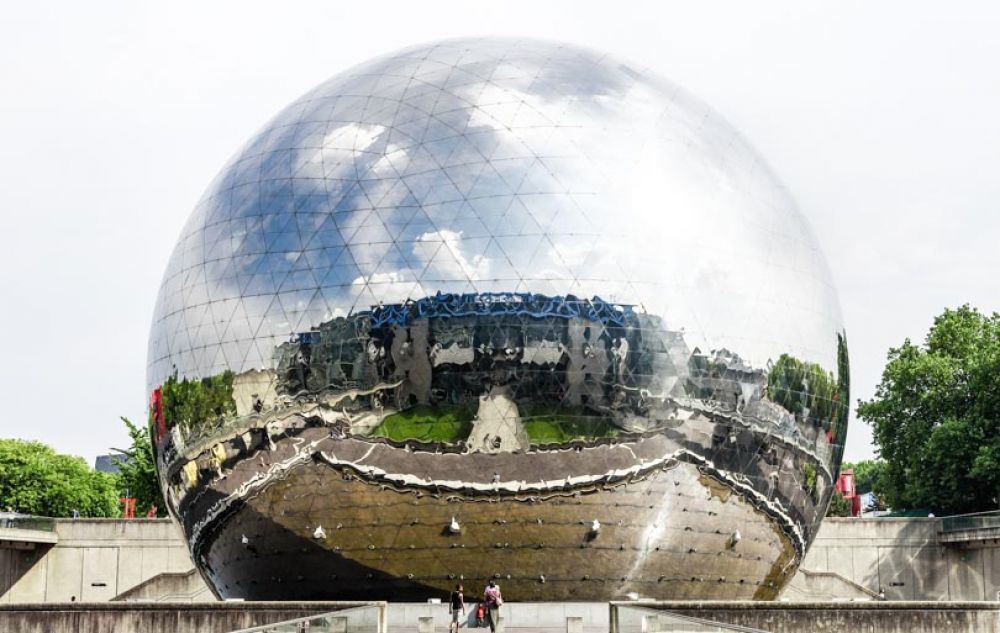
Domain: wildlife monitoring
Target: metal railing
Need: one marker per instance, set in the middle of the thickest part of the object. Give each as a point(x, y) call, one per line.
point(974, 521)
point(367, 618)
point(13, 520)
point(635, 618)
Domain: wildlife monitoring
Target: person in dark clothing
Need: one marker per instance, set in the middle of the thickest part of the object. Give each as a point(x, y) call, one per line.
point(456, 607)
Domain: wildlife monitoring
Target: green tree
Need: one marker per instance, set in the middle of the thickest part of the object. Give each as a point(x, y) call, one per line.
point(839, 507)
point(798, 386)
point(195, 402)
point(786, 384)
point(137, 471)
point(868, 475)
point(841, 398)
point(34, 479)
point(936, 417)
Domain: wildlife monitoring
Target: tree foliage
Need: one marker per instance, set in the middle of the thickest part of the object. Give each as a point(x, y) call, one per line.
point(839, 506)
point(193, 402)
point(936, 417)
point(809, 392)
point(137, 471)
point(868, 475)
point(34, 479)
point(843, 396)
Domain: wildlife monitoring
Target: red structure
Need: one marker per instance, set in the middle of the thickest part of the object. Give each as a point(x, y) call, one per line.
point(845, 486)
point(128, 507)
point(156, 411)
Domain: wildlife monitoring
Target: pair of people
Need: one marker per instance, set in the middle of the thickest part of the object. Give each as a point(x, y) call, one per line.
point(492, 601)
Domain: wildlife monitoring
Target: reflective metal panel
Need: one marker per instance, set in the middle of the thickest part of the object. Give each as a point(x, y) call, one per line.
point(479, 276)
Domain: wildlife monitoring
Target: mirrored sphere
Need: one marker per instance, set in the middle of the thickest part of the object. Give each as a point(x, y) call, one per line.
point(497, 308)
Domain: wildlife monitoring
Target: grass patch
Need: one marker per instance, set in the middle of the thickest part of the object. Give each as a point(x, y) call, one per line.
point(551, 425)
point(424, 423)
point(545, 424)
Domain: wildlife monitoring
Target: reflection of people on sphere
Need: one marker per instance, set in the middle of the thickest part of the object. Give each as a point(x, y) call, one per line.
point(618, 397)
point(493, 600)
point(378, 356)
point(302, 367)
point(457, 608)
point(620, 354)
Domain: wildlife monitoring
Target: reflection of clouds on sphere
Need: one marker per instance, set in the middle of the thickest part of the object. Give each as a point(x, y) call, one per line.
point(493, 165)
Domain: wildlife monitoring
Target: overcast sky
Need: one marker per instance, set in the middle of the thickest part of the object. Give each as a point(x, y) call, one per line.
point(881, 119)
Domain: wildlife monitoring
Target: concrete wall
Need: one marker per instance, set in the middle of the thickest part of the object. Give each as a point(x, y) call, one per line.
point(187, 586)
point(776, 617)
point(820, 586)
point(218, 617)
point(97, 560)
point(810, 617)
point(903, 557)
point(94, 561)
point(550, 616)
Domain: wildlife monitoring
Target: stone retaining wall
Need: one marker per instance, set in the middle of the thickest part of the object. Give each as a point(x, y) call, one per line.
point(97, 560)
point(839, 617)
point(777, 617)
point(118, 617)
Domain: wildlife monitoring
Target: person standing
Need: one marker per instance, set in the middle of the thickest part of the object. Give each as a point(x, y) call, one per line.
point(457, 608)
point(493, 600)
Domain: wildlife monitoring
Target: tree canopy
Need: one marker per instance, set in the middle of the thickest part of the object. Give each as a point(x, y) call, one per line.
point(194, 402)
point(801, 387)
point(839, 506)
point(137, 471)
point(936, 417)
point(867, 475)
point(34, 479)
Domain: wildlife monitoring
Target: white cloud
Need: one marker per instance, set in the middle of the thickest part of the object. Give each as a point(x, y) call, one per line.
point(446, 260)
point(391, 287)
point(351, 137)
point(340, 146)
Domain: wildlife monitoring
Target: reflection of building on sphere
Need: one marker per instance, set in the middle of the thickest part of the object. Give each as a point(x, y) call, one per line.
point(496, 308)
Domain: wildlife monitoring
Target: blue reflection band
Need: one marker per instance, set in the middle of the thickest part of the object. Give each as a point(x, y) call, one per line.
point(445, 305)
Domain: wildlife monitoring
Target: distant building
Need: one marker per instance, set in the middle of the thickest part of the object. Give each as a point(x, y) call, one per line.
point(108, 463)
